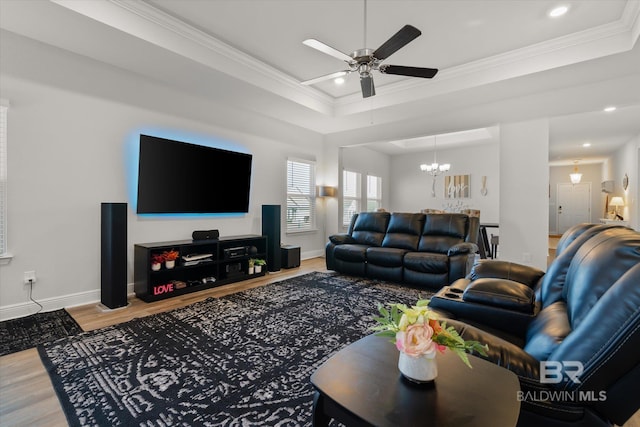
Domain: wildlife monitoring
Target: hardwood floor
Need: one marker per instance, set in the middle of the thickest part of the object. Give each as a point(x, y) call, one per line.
point(27, 397)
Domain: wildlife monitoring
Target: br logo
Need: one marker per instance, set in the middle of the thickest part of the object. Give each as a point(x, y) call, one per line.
point(552, 372)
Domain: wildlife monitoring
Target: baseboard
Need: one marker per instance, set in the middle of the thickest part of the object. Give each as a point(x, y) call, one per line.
point(82, 298)
point(49, 304)
point(312, 254)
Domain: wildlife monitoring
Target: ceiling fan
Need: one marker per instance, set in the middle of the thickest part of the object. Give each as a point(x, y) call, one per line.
point(365, 60)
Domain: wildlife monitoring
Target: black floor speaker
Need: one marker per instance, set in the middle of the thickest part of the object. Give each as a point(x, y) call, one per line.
point(271, 229)
point(113, 288)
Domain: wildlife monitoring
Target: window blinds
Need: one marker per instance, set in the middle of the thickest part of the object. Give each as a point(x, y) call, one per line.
point(301, 196)
point(350, 195)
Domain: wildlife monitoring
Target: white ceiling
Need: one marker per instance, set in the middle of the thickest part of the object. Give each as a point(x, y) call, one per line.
point(499, 60)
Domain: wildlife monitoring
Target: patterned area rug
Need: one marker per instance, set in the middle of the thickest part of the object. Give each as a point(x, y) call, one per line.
point(241, 360)
point(27, 332)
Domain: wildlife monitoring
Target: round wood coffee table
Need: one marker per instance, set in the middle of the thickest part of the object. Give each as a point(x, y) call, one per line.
point(361, 386)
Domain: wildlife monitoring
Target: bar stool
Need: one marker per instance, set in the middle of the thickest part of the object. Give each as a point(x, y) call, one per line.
point(495, 240)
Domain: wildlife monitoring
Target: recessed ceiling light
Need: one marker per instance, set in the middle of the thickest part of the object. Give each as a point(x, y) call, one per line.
point(558, 11)
point(339, 81)
point(586, 144)
point(610, 109)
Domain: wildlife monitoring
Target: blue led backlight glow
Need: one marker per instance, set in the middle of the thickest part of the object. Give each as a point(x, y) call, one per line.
point(132, 162)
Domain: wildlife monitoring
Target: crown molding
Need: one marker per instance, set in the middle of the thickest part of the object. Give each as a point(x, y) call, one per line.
point(614, 37)
point(148, 23)
point(144, 21)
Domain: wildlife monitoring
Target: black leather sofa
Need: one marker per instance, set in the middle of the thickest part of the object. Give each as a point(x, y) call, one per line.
point(424, 250)
point(581, 318)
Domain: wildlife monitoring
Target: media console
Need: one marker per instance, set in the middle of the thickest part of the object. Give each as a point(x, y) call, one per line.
point(201, 264)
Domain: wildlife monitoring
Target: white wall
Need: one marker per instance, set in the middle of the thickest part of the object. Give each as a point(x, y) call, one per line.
point(68, 153)
point(411, 188)
point(627, 161)
point(524, 177)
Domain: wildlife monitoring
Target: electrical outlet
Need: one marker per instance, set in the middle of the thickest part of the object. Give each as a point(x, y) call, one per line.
point(29, 277)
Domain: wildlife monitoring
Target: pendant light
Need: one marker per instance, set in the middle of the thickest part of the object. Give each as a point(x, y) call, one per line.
point(434, 169)
point(575, 176)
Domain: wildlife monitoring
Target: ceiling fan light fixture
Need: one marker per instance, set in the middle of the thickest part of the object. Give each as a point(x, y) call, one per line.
point(365, 60)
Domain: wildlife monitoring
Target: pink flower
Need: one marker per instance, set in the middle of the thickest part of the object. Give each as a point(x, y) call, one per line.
point(416, 340)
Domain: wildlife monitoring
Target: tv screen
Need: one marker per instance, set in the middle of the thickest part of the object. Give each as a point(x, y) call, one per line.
point(178, 177)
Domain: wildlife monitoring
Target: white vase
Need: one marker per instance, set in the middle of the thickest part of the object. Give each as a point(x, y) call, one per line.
point(170, 264)
point(251, 270)
point(258, 269)
point(156, 266)
point(418, 369)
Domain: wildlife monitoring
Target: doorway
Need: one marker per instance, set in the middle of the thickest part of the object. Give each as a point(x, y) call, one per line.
point(573, 203)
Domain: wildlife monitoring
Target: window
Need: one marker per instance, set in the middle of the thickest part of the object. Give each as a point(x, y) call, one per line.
point(350, 195)
point(301, 195)
point(3, 177)
point(374, 193)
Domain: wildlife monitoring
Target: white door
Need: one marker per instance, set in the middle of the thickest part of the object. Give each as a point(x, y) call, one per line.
point(573, 205)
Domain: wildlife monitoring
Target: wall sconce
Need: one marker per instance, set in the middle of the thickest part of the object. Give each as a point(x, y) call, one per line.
point(327, 191)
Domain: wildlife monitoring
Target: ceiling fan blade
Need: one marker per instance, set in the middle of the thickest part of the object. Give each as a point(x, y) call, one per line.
point(401, 70)
point(397, 41)
point(326, 77)
point(324, 48)
point(368, 88)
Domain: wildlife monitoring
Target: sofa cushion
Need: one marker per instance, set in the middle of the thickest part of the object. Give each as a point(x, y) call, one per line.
point(370, 228)
point(404, 231)
point(596, 267)
point(441, 231)
point(547, 330)
point(427, 262)
point(351, 253)
point(499, 269)
point(500, 293)
point(553, 282)
point(386, 257)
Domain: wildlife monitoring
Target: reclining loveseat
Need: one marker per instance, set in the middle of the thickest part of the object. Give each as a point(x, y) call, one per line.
point(571, 335)
point(424, 250)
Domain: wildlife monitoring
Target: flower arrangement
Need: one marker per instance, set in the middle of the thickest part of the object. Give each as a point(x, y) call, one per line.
point(171, 255)
point(157, 259)
point(417, 332)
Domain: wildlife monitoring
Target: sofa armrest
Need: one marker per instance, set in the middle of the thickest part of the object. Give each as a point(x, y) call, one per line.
point(462, 248)
point(451, 299)
point(497, 269)
point(341, 239)
point(502, 293)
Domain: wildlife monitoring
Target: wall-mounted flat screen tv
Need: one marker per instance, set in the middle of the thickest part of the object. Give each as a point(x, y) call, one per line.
point(177, 177)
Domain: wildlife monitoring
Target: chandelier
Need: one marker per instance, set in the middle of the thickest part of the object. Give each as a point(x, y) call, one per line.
point(434, 169)
point(575, 176)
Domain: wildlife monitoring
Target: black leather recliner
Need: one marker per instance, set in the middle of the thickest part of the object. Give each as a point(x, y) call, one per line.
point(424, 250)
point(582, 318)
